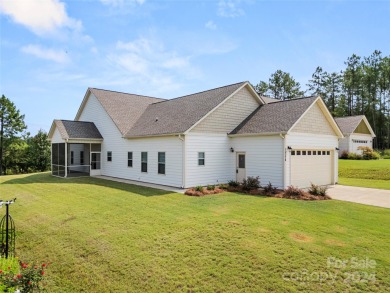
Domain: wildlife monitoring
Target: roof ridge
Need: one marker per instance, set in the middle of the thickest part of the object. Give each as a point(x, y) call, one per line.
point(281, 101)
point(220, 87)
point(362, 115)
point(94, 88)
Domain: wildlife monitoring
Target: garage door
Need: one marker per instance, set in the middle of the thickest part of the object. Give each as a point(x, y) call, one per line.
point(311, 166)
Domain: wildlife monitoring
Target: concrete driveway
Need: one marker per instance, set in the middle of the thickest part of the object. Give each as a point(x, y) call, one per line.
point(368, 196)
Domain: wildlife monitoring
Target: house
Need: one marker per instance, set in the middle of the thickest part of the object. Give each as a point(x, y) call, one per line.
point(357, 132)
point(210, 137)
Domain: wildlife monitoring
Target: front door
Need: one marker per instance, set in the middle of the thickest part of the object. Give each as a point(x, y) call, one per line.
point(240, 167)
point(95, 163)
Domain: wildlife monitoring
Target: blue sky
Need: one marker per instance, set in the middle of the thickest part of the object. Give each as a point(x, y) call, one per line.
point(53, 50)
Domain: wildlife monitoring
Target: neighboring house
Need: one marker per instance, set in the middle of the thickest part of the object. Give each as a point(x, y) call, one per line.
point(357, 132)
point(211, 137)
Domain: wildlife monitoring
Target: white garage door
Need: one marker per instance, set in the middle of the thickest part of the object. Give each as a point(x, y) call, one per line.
point(311, 166)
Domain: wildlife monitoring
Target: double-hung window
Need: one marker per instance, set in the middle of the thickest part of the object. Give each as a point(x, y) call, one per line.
point(109, 156)
point(81, 157)
point(161, 163)
point(71, 157)
point(144, 162)
point(201, 159)
point(129, 159)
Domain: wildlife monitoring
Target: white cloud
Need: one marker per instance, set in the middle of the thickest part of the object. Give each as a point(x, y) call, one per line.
point(211, 25)
point(47, 54)
point(41, 17)
point(121, 3)
point(229, 8)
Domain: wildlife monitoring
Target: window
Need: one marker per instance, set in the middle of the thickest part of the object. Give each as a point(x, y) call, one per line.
point(109, 156)
point(201, 159)
point(323, 153)
point(298, 153)
point(129, 159)
point(309, 153)
point(303, 153)
point(71, 157)
point(328, 153)
point(161, 163)
point(293, 153)
point(81, 157)
point(144, 162)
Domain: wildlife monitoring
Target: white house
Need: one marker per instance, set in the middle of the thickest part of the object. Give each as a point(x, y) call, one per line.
point(357, 132)
point(211, 137)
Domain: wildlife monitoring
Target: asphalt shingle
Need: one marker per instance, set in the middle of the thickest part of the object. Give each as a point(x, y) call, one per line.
point(348, 124)
point(77, 129)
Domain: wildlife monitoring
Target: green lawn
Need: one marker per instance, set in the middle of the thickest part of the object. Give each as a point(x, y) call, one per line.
point(103, 236)
point(373, 174)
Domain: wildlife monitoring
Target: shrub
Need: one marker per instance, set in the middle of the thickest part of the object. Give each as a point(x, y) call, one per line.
point(368, 153)
point(251, 183)
point(270, 189)
point(386, 152)
point(210, 187)
point(317, 190)
point(199, 188)
point(293, 191)
point(344, 155)
point(223, 186)
point(353, 156)
point(233, 183)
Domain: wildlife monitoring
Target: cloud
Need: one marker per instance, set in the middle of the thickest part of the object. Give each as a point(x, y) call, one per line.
point(41, 17)
point(47, 54)
point(211, 25)
point(121, 3)
point(229, 8)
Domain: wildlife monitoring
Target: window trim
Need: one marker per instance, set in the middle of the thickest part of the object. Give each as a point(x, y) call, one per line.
point(129, 160)
point(144, 162)
point(202, 158)
point(109, 156)
point(161, 163)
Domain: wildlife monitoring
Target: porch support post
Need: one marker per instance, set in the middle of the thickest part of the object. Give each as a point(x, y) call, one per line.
point(66, 159)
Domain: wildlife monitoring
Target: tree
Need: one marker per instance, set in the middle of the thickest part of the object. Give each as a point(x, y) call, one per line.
point(39, 152)
point(261, 88)
point(11, 123)
point(282, 86)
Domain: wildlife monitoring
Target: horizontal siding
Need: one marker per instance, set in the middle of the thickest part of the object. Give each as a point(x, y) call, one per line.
point(230, 114)
point(354, 145)
point(314, 121)
point(56, 137)
point(344, 145)
point(264, 157)
point(113, 141)
point(313, 142)
point(219, 161)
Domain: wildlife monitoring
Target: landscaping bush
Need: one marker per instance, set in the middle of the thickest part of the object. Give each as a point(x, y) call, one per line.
point(233, 183)
point(223, 186)
point(199, 188)
point(368, 153)
point(344, 155)
point(210, 187)
point(293, 191)
point(251, 183)
point(317, 190)
point(353, 156)
point(386, 154)
point(270, 189)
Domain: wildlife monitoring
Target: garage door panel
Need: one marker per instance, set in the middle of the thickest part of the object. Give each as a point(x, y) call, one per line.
point(311, 166)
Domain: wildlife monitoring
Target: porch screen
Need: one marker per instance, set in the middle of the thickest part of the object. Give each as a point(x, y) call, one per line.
point(58, 159)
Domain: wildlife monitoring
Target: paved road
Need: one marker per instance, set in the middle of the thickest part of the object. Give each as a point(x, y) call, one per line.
point(368, 196)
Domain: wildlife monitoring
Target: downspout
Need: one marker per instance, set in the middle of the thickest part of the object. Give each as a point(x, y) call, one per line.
point(284, 160)
point(183, 160)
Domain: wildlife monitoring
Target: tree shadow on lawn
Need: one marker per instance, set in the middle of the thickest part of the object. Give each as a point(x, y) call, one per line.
point(46, 178)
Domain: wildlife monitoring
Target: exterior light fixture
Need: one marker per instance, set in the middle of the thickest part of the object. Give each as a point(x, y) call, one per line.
point(337, 149)
point(232, 150)
point(290, 148)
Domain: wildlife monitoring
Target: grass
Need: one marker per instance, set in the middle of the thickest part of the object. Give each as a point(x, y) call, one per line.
point(103, 236)
point(373, 174)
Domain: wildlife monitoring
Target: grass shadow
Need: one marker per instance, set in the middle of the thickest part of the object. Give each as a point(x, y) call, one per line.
point(46, 178)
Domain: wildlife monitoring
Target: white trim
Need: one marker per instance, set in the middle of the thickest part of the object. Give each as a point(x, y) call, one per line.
point(257, 134)
point(153, 135)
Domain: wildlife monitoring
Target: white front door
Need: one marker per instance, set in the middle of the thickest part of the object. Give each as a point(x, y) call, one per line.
point(240, 167)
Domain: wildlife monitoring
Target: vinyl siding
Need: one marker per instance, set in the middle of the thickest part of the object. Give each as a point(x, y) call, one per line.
point(314, 121)
point(56, 137)
point(344, 144)
point(264, 157)
point(313, 142)
point(113, 141)
point(230, 114)
point(219, 161)
point(353, 146)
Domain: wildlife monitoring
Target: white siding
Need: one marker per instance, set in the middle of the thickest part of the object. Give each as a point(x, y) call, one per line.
point(264, 157)
point(230, 114)
point(353, 145)
point(76, 148)
point(312, 142)
point(56, 137)
point(219, 161)
point(344, 144)
point(314, 121)
point(113, 141)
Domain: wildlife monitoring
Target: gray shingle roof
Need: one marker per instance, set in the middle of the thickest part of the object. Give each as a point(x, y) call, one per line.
point(269, 100)
point(274, 117)
point(348, 124)
point(178, 115)
point(77, 129)
point(124, 109)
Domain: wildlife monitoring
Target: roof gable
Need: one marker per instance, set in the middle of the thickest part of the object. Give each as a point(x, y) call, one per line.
point(124, 109)
point(351, 124)
point(75, 130)
point(179, 115)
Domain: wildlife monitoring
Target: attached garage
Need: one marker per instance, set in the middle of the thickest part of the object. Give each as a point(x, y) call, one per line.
point(311, 166)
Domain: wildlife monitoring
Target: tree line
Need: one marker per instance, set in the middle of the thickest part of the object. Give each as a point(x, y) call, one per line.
point(361, 88)
point(19, 151)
